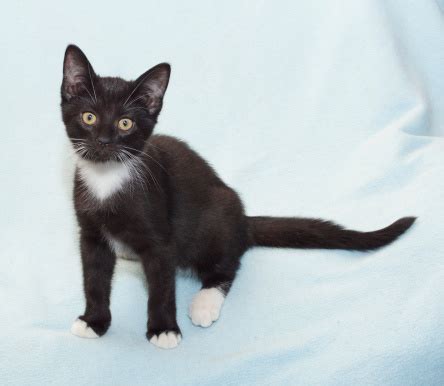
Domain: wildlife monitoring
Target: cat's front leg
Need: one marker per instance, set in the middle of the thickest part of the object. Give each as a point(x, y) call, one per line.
point(98, 265)
point(163, 330)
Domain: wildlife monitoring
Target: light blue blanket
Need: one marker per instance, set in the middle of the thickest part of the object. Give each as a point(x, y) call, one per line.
point(321, 108)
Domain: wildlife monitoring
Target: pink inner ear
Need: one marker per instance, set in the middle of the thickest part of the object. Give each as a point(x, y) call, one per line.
point(74, 74)
point(74, 89)
point(75, 85)
point(153, 103)
point(74, 70)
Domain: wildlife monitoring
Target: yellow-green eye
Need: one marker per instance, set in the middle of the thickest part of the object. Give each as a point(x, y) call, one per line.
point(89, 118)
point(125, 124)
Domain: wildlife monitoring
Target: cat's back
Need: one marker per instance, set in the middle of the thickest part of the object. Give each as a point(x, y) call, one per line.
point(182, 162)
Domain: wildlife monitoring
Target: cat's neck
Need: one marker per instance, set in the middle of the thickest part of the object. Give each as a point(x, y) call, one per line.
point(103, 179)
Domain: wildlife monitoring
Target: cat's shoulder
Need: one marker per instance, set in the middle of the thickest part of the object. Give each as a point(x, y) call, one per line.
point(179, 153)
point(165, 141)
point(171, 145)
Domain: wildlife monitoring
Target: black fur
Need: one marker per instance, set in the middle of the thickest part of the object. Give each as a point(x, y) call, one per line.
point(315, 233)
point(180, 214)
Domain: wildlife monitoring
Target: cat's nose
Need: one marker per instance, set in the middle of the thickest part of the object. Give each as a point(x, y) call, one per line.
point(103, 140)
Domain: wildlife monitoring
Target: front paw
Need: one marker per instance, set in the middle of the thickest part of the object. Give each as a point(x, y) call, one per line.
point(88, 326)
point(81, 329)
point(164, 338)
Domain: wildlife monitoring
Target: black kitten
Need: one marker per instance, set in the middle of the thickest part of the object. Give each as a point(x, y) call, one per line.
point(151, 196)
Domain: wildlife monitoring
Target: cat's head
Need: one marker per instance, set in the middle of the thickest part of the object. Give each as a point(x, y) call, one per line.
point(106, 118)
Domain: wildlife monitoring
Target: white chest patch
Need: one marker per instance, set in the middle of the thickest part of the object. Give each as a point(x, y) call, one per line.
point(103, 179)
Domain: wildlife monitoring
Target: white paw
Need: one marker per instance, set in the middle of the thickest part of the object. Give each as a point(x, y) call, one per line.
point(80, 328)
point(166, 340)
point(205, 307)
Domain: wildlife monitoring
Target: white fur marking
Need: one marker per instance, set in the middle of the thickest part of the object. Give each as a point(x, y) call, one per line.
point(205, 307)
point(80, 328)
point(103, 179)
point(166, 340)
point(121, 249)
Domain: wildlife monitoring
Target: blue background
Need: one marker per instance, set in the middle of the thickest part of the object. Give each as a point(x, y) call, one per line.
point(317, 108)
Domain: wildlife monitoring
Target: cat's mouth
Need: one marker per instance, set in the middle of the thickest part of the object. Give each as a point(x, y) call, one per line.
point(97, 154)
point(103, 157)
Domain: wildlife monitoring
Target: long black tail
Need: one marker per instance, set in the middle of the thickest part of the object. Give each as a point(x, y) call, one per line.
point(314, 233)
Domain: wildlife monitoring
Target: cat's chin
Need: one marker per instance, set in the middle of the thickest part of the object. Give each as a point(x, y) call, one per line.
point(102, 160)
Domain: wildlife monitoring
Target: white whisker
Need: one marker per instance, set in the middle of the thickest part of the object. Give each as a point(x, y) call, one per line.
point(92, 82)
point(92, 99)
point(137, 86)
point(146, 154)
point(138, 164)
point(136, 99)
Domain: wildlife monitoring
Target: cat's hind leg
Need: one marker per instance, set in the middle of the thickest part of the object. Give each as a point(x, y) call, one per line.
point(223, 232)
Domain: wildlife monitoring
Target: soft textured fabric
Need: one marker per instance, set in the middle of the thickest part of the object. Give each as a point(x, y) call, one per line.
point(330, 109)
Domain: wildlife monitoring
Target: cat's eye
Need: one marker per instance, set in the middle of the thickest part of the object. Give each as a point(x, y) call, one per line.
point(89, 118)
point(125, 124)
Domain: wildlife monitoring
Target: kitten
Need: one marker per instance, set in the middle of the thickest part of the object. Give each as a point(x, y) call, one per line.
point(152, 197)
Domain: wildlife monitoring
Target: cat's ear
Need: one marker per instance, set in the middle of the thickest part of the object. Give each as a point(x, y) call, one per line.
point(78, 73)
point(151, 86)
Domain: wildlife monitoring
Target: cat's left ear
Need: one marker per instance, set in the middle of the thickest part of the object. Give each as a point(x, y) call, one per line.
point(78, 74)
point(151, 86)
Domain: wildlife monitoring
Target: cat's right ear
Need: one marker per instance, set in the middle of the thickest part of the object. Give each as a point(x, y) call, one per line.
point(78, 74)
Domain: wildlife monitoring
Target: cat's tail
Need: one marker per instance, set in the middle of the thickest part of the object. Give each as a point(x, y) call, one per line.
point(294, 232)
